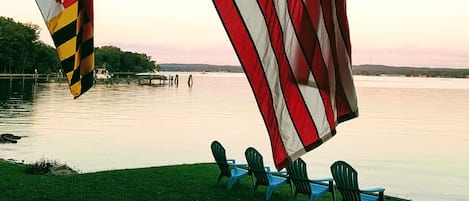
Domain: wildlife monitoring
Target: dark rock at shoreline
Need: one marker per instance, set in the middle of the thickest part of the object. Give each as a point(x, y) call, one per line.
point(62, 170)
point(9, 138)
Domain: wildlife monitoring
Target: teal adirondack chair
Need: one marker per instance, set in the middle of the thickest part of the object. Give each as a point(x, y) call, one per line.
point(228, 167)
point(300, 183)
point(262, 175)
point(346, 179)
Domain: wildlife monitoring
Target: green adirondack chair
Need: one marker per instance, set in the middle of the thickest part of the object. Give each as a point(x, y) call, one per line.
point(346, 179)
point(228, 167)
point(261, 175)
point(300, 183)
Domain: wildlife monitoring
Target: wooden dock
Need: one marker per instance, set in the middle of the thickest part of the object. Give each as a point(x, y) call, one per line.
point(36, 77)
point(148, 78)
point(127, 77)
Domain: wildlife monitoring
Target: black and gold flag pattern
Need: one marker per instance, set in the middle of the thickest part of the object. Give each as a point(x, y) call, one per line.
point(70, 23)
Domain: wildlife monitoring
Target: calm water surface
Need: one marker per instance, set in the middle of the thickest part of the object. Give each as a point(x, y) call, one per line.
point(411, 137)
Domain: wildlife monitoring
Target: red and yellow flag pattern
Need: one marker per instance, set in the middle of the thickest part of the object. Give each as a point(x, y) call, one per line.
point(70, 22)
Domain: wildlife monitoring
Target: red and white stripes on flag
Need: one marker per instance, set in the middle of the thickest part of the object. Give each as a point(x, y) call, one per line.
point(297, 57)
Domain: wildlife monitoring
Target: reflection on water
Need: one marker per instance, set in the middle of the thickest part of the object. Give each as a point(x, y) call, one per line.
point(411, 136)
point(16, 102)
point(17, 89)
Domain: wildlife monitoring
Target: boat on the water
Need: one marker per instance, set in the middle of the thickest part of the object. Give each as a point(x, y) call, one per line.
point(102, 74)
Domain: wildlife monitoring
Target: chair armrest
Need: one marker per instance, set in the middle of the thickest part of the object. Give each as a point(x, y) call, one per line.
point(326, 182)
point(280, 174)
point(232, 162)
point(321, 180)
point(373, 190)
point(240, 165)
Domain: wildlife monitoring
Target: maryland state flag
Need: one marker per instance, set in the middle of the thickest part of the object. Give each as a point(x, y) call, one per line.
point(70, 22)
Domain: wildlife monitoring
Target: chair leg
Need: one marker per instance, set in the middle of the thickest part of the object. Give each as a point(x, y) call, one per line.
point(381, 196)
point(253, 185)
point(313, 197)
point(331, 189)
point(293, 195)
point(231, 183)
point(219, 178)
point(269, 192)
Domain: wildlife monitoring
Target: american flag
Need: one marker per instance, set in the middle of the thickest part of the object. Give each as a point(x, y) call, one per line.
point(297, 57)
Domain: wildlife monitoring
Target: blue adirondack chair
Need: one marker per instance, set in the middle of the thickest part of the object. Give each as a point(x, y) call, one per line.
point(261, 175)
point(346, 179)
point(228, 167)
point(300, 183)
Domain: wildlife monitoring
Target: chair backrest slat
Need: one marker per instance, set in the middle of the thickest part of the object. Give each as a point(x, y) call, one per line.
point(220, 158)
point(346, 179)
point(299, 176)
point(256, 166)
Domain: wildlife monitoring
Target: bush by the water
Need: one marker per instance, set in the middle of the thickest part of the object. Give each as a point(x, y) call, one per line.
point(46, 166)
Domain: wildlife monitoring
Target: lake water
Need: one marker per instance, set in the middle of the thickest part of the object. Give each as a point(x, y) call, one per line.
point(411, 136)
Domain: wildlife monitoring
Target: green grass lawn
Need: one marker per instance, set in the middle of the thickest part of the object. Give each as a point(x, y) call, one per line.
point(180, 182)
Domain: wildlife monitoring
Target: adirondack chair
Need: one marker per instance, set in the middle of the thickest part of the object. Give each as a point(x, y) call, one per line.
point(228, 167)
point(346, 179)
point(261, 175)
point(300, 183)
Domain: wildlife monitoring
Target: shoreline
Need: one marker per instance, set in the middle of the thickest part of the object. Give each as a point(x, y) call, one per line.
point(198, 179)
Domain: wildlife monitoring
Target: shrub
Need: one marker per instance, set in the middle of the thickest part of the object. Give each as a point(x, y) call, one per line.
point(45, 166)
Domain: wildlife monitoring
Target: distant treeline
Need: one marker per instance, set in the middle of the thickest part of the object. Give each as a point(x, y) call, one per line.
point(375, 70)
point(201, 68)
point(115, 60)
point(21, 51)
point(378, 70)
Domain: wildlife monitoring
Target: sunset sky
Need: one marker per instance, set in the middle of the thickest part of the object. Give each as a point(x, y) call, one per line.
point(426, 33)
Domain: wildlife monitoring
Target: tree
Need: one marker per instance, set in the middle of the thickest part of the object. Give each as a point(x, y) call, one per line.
point(45, 58)
point(115, 60)
point(108, 57)
point(21, 51)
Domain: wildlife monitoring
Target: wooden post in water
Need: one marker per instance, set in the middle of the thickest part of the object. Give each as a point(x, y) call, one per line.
point(35, 75)
point(190, 81)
